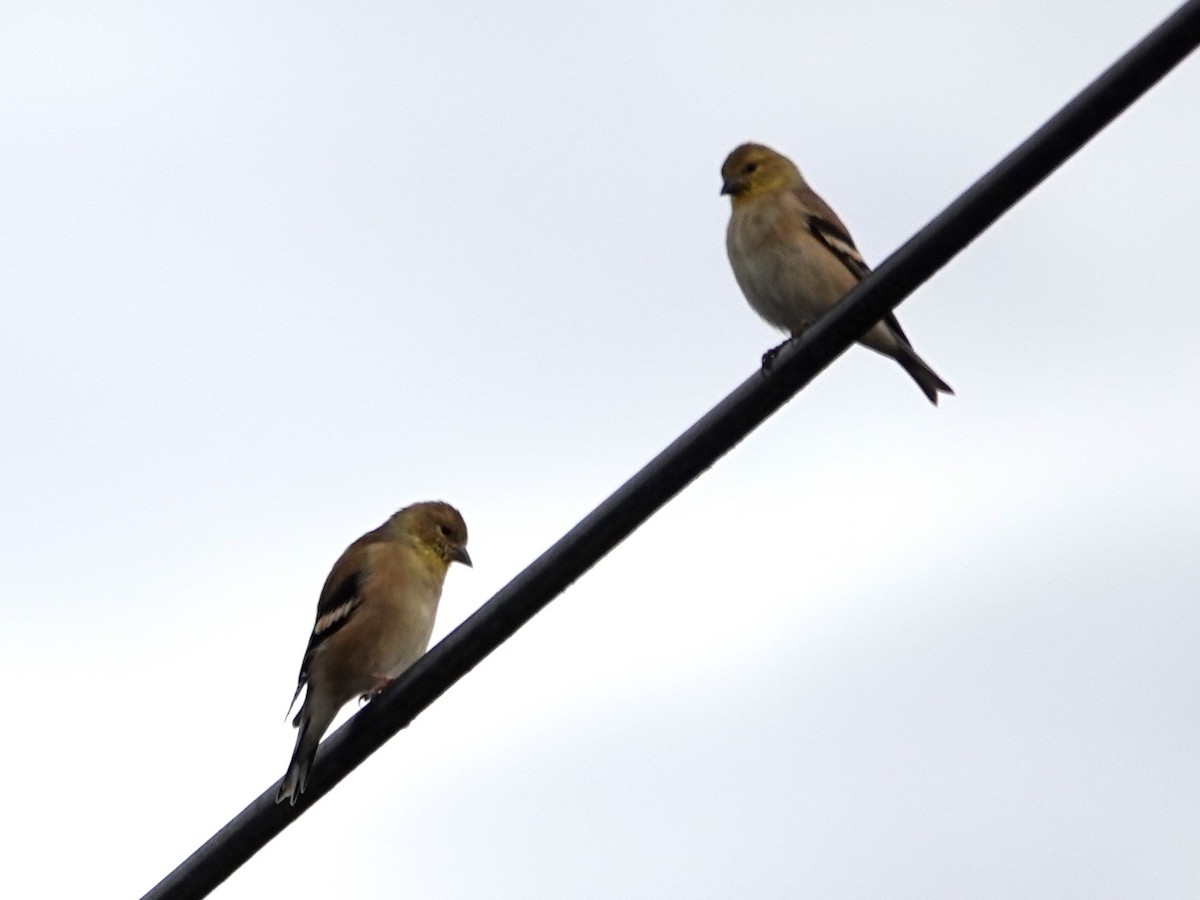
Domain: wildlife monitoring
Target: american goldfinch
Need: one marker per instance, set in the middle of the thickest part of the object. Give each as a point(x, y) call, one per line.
point(794, 259)
point(374, 619)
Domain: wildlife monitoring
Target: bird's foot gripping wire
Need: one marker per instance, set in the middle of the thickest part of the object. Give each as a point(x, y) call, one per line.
point(768, 358)
point(380, 683)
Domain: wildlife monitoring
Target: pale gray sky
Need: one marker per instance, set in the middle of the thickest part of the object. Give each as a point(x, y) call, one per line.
point(271, 271)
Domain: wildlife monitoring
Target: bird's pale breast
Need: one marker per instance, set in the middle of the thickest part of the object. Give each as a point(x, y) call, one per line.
point(787, 275)
point(409, 590)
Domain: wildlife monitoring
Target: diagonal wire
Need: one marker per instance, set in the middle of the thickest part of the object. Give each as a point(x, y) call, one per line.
point(696, 449)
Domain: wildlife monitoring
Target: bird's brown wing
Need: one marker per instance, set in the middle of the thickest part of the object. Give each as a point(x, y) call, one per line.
point(340, 598)
point(827, 228)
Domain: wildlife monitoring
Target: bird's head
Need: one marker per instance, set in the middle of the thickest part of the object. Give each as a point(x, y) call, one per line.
point(753, 169)
point(439, 527)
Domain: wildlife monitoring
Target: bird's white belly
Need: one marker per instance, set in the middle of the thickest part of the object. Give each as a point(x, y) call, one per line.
point(410, 638)
point(786, 290)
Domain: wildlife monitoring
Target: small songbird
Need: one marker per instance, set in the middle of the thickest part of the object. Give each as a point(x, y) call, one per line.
point(794, 259)
point(374, 619)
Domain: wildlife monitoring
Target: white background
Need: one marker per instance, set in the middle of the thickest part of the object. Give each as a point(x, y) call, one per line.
point(270, 271)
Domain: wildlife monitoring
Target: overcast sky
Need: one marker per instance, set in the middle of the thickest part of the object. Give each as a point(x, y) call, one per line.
point(270, 271)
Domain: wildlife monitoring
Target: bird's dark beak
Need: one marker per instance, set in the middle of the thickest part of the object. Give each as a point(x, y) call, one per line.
point(732, 186)
point(459, 554)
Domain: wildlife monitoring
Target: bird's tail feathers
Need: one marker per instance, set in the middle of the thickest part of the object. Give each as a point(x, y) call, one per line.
point(312, 723)
point(927, 379)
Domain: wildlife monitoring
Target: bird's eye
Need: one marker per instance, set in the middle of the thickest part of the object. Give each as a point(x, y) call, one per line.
point(445, 530)
point(750, 168)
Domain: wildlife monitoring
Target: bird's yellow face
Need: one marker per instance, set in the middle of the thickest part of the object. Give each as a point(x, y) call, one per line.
point(439, 528)
point(753, 169)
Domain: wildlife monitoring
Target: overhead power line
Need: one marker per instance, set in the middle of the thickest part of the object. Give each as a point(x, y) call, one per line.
point(695, 450)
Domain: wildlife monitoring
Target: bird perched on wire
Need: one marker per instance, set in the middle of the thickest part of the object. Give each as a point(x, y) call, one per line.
point(794, 259)
point(374, 619)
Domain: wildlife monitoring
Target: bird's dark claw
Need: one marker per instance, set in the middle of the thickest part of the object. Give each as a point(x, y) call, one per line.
point(768, 358)
point(380, 683)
